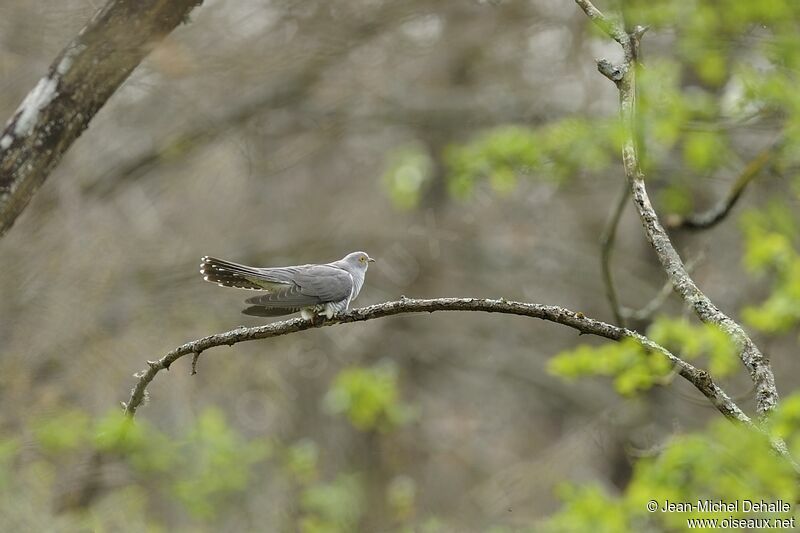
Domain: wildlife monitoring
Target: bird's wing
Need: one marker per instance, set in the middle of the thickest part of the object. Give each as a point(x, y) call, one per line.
point(308, 285)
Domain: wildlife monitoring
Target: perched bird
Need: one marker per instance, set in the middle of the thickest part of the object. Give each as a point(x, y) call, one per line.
point(310, 289)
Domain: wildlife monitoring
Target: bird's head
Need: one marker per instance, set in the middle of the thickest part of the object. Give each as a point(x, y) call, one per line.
point(359, 260)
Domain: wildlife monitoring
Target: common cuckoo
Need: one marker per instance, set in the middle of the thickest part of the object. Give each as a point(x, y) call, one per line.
point(310, 289)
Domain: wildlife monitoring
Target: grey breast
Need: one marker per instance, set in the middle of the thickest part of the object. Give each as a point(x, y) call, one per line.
point(357, 274)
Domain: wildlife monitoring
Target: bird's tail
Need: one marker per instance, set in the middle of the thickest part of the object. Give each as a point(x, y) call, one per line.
point(227, 274)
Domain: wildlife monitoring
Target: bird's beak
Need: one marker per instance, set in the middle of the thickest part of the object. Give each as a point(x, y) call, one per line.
point(370, 260)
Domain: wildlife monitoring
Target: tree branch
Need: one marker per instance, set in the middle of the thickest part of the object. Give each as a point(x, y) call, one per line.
point(79, 82)
point(607, 241)
point(715, 215)
point(624, 76)
point(699, 378)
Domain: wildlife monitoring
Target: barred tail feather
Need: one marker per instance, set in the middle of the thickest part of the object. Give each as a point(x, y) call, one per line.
point(227, 274)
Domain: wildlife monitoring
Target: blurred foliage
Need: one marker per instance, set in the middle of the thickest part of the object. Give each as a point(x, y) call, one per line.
point(401, 494)
point(66, 432)
point(676, 199)
point(202, 469)
point(552, 153)
point(369, 398)
point(634, 369)
point(692, 341)
point(221, 464)
point(302, 461)
point(727, 462)
point(334, 507)
point(733, 64)
point(407, 173)
point(770, 245)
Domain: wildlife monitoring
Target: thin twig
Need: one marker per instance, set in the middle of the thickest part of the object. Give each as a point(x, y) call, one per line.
point(698, 377)
point(195, 358)
point(607, 241)
point(715, 215)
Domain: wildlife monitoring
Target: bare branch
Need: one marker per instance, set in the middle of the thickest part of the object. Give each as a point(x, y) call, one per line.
point(79, 82)
point(607, 240)
point(682, 282)
point(699, 378)
point(715, 215)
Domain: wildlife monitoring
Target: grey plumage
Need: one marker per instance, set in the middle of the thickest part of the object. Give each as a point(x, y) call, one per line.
point(311, 289)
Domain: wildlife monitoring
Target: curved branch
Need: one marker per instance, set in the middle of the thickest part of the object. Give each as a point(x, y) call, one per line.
point(715, 215)
point(624, 76)
point(682, 282)
point(699, 378)
point(79, 82)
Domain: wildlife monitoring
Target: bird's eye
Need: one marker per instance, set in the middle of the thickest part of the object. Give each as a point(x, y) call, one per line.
point(362, 259)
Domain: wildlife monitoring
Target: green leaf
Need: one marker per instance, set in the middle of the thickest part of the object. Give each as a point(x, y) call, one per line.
point(769, 237)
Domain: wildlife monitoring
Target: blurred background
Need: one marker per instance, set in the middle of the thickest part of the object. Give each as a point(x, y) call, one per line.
point(470, 146)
